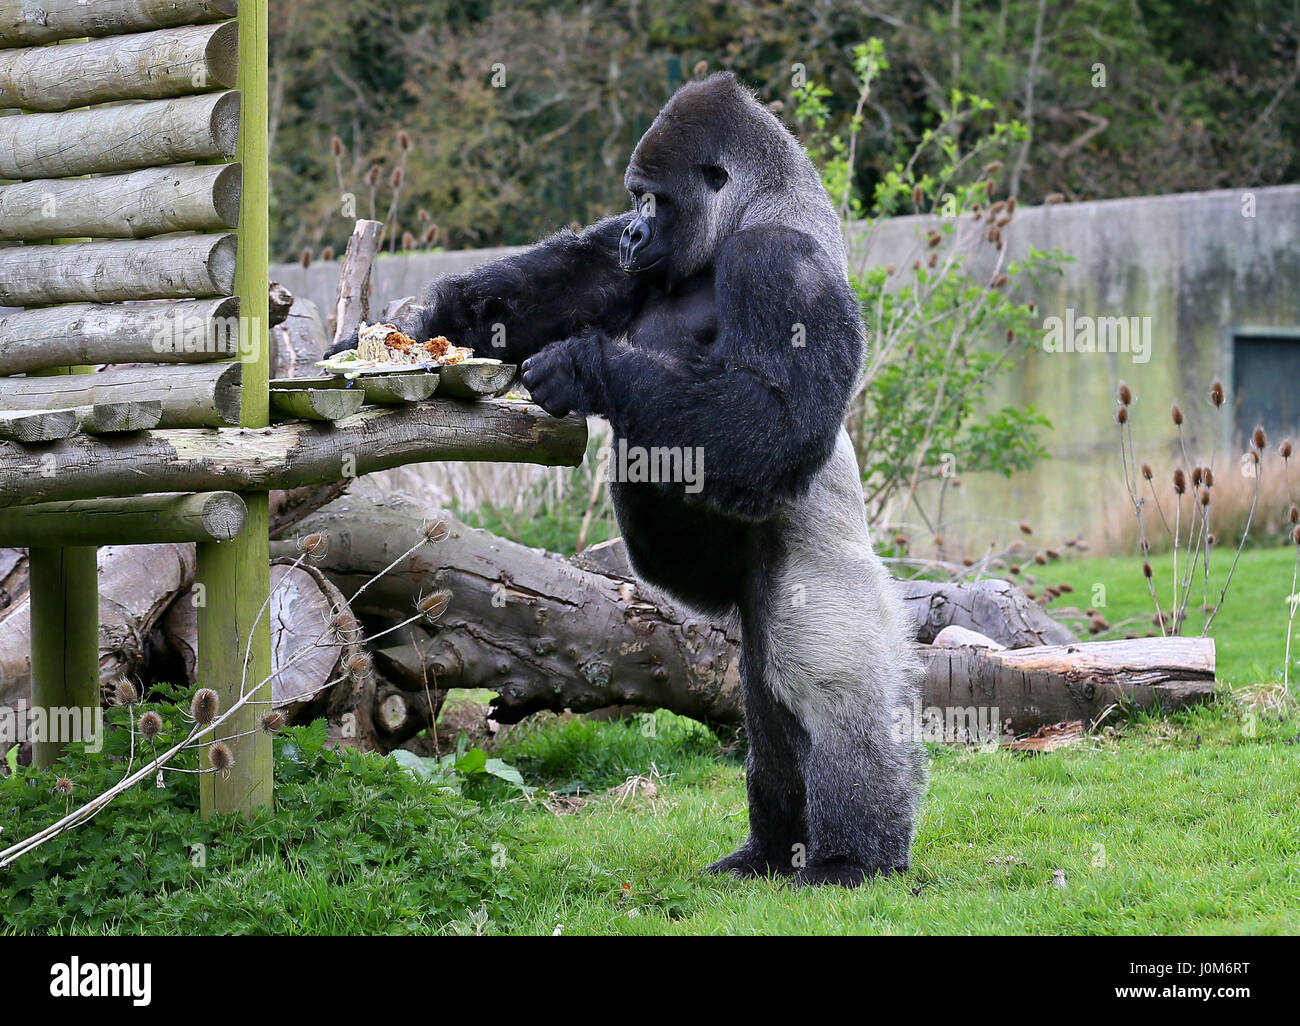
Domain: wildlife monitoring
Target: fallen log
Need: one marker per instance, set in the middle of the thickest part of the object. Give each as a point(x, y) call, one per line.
point(305, 656)
point(1023, 689)
point(137, 583)
point(550, 633)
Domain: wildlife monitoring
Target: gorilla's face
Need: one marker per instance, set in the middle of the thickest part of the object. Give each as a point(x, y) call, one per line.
point(673, 233)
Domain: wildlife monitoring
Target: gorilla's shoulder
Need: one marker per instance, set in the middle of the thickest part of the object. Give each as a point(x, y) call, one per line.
point(777, 253)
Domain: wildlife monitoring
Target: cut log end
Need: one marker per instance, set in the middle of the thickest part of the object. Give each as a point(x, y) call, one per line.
point(224, 514)
point(222, 54)
point(223, 123)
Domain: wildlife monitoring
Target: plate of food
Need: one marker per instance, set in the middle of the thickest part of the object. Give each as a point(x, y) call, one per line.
point(383, 349)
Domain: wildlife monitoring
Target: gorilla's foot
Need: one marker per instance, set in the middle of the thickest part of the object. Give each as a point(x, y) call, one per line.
point(841, 874)
point(746, 863)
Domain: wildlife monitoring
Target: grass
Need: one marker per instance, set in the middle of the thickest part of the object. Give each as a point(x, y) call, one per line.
point(1169, 825)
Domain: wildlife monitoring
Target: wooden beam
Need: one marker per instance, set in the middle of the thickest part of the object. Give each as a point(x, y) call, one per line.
point(178, 267)
point(30, 22)
point(129, 206)
point(475, 380)
point(64, 609)
point(119, 138)
point(383, 389)
point(292, 454)
point(38, 425)
point(110, 418)
point(141, 66)
point(353, 303)
point(192, 395)
point(234, 631)
point(128, 520)
point(186, 331)
point(328, 404)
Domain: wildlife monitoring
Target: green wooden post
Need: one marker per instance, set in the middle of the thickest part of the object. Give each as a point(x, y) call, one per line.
point(236, 574)
point(64, 625)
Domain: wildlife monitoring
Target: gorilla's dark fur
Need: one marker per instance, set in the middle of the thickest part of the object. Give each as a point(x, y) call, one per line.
point(717, 316)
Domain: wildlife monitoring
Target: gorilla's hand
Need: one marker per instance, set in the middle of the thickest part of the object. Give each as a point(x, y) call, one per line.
point(560, 376)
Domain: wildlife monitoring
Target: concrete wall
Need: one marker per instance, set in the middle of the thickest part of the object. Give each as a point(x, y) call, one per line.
point(1193, 263)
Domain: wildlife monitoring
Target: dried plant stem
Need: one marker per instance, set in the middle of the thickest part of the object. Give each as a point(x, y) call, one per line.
point(1245, 533)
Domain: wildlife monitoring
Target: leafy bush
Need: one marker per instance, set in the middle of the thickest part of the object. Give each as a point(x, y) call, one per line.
point(355, 844)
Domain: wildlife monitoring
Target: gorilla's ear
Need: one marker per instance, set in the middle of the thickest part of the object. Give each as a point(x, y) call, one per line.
point(715, 177)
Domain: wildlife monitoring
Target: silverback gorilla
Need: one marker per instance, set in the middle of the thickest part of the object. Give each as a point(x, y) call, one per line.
point(716, 318)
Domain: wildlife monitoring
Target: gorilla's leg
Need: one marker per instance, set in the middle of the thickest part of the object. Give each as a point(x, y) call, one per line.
point(778, 744)
point(839, 655)
point(862, 795)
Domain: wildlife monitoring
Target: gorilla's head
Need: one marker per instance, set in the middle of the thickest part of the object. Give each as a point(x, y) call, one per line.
point(715, 162)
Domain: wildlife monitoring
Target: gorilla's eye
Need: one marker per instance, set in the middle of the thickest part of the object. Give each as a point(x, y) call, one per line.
point(714, 177)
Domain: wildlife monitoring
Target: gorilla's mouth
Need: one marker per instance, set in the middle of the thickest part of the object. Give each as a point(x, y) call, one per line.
point(634, 268)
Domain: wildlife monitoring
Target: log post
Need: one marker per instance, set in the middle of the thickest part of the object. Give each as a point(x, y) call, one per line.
point(234, 628)
point(353, 304)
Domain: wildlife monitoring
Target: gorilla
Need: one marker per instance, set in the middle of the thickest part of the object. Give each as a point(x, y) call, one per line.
point(716, 318)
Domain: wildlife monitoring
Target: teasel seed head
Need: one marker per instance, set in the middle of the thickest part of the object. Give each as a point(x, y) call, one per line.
point(1205, 496)
point(1259, 439)
point(150, 725)
point(408, 241)
point(220, 756)
point(1013, 569)
point(395, 177)
point(327, 254)
point(358, 665)
point(1025, 528)
point(336, 146)
point(64, 786)
point(1147, 472)
point(993, 167)
point(404, 140)
point(1180, 481)
point(1125, 394)
point(343, 625)
point(1176, 414)
point(430, 235)
point(934, 260)
point(1054, 197)
point(1040, 558)
point(373, 175)
point(918, 195)
point(203, 706)
point(314, 544)
point(701, 68)
point(433, 605)
point(1216, 392)
point(1293, 514)
point(436, 530)
point(1284, 450)
point(125, 692)
point(1146, 569)
point(1295, 535)
point(1196, 477)
point(304, 258)
point(1207, 475)
point(273, 721)
point(1121, 415)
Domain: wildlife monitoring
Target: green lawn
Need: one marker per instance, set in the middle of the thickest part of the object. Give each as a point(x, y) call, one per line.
point(1181, 824)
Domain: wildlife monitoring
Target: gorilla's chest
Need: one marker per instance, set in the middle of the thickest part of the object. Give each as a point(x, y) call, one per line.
point(686, 316)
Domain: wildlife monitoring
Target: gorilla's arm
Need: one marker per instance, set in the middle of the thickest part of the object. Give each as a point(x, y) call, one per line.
point(764, 402)
point(510, 308)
